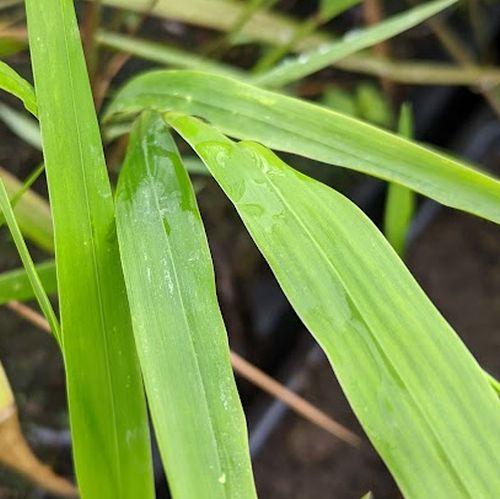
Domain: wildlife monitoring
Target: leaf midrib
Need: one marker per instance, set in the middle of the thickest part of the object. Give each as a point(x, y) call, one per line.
point(97, 276)
point(187, 325)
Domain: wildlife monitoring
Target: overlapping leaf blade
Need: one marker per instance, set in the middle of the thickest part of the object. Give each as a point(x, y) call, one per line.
point(15, 84)
point(412, 383)
point(106, 401)
point(295, 126)
point(179, 332)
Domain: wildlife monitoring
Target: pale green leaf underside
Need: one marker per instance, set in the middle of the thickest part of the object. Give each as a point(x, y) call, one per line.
point(418, 392)
point(110, 434)
point(288, 124)
point(179, 332)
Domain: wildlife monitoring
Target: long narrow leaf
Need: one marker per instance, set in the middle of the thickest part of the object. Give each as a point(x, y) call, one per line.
point(178, 327)
point(106, 402)
point(164, 54)
point(295, 126)
point(15, 284)
point(419, 394)
point(400, 201)
point(308, 63)
point(15, 84)
point(28, 264)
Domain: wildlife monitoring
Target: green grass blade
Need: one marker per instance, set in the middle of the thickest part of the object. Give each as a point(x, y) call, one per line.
point(32, 212)
point(308, 63)
point(28, 264)
point(411, 381)
point(106, 402)
point(164, 54)
point(15, 284)
point(179, 332)
point(12, 82)
point(6, 395)
point(299, 127)
point(24, 127)
point(331, 8)
point(400, 202)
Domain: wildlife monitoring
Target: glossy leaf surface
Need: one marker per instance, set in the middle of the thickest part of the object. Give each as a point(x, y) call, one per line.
point(292, 125)
point(107, 409)
point(179, 332)
point(409, 378)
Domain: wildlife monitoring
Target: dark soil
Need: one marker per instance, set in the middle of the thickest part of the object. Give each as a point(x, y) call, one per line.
point(457, 262)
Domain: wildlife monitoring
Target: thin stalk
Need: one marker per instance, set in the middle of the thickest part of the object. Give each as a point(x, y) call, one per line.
point(28, 263)
point(302, 407)
point(422, 72)
point(29, 314)
point(373, 13)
